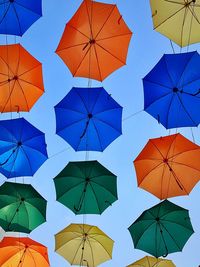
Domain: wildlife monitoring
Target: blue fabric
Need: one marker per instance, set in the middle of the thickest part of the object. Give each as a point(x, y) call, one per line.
point(89, 119)
point(16, 16)
point(172, 90)
point(22, 148)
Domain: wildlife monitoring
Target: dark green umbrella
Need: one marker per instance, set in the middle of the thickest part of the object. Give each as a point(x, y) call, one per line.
point(22, 208)
point(86, 187)
point(162, 229)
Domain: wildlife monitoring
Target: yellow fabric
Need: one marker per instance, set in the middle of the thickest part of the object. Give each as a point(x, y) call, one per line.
point(152, 262)
point(179, 20)
point(84, 245)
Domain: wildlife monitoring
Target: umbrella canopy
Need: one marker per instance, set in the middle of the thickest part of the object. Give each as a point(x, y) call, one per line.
point(86, 187)
point(171, 90)
point(84, 245)
point(185, 14)
point(162, 229)
point(16, 16)
point(95, 41)
point(152, 262)
point(22, 208)
point(88, 119)
point(21, 82)
point(22, 252)
point(22, 148)
point(168, 166)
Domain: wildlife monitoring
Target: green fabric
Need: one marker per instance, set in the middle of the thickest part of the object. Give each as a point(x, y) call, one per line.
point(162, 229)
point(22, 208)
point(98, 182)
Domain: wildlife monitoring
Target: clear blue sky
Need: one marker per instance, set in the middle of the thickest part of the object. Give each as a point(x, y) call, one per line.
point(125, 85)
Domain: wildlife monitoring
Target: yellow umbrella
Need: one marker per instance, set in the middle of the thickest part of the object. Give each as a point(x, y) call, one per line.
point(152, 262)
point(179, 20)
point(84, 245)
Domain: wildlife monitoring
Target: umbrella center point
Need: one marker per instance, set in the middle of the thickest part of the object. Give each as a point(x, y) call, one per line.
point(11, 1)
point(92, 41)
point(22, 199)
point(165, 161)
point(157, 219)
point(19, 143)
point(90, 115)
point(15, 77)
point(175, 90)
point(87, 179)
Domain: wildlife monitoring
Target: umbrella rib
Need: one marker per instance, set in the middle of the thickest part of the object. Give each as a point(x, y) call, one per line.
point(9, 96)
point(124, 63)
point(38, 151)
point(72, 46)
point(156, 148)
point(150, 172)
point(19, 4)
point(114, 36)
point(173, 141)
point(135, 245)
point(176, 224)
point(153, 82)
point(186, 111)
point(76, 251)
point(71, 188)
point(172, 157)
point(9, 69)
point(107, 124)
point(98, 62)
point(65, 127)
point(85, 104)
point(41, 89)
point(170, 17)
point(96, 198)
point(162, 181)
point(96, 100)
point(169, 107)
point(29, 163)
point(29, 70)
point(81, 61)
point(194, 14)
point(170, 78)
point(97, 134)
point(158, 99)
point(78, 31)
point(175, 2)
point(90, 19)
point(70, 109)
point(104, 188)
point(170, 236)
point(23, 94)
point(14, 162)
point(6, 12)
point(101, 245)
point(186, 65)
point(179, 163)
point(114, 6)
point(91, 251)
point(17, 18)
point(184, 18)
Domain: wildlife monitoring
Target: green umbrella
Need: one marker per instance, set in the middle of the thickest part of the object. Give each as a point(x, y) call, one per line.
point(162, 229)
point(86, 187)
point(22, 208)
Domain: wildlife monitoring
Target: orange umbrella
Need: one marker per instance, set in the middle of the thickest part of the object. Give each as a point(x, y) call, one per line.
point(95, 41)
point(22, 252)
point(21, 82)
point(168, 166)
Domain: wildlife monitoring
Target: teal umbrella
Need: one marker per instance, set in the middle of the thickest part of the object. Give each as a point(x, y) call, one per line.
point(162, 229)
point(86, 187)
point(22, 208)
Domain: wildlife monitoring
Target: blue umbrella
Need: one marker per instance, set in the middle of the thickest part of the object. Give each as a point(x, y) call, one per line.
point(16, 16)
point(88, 119)
point(22, 148)
point(172, 90)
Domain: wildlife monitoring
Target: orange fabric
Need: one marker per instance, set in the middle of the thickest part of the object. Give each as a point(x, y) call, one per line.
point(22, 252)
point(95, 41)
point(21, 82)
point(168, 166)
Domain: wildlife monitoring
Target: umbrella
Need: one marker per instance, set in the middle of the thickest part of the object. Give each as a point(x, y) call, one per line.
point(162, 229)
point(22, 208)
point(168, 166)
point(88, 119)
point(22, 148)
point(95, 41)
point(22, 252)
point(86, 187)
point(152, 262)
point(21, 82)
point(171, 90)
point(184, 14)
point(16, 16)
point(84, 245)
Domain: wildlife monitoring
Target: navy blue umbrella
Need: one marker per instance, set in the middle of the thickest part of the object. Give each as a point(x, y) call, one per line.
point(22, 148)
point(172, 90)
point(88, 119)
point(16, 16)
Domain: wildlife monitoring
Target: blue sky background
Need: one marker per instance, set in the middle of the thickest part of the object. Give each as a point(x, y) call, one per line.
point(125, 85)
